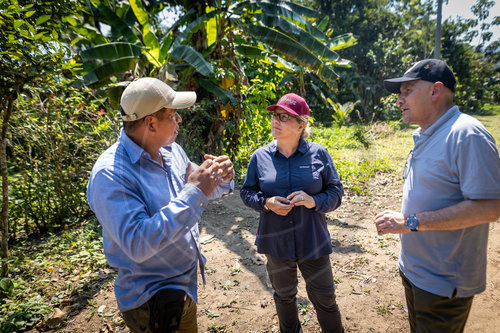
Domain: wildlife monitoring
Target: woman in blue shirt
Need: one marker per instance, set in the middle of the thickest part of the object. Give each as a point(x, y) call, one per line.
point(293, 183)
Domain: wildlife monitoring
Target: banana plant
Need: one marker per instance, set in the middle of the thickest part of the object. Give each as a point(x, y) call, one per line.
point(206, 46)
point(282, 33)
point(295, 34)
point(342, 111)
point(140, 49)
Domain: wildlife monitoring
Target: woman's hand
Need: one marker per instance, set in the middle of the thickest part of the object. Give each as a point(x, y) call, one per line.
point(301, 198)
point(279, 205)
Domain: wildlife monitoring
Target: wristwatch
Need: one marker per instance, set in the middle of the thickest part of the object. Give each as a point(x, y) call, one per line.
point(412, 222)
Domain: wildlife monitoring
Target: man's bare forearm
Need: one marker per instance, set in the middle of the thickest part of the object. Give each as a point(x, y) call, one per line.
point(465, 214)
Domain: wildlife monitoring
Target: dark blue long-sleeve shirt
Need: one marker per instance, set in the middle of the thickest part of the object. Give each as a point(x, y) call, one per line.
point(302, 233)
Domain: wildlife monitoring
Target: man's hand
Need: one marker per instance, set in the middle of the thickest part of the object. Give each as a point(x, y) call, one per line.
point(390, 222)
point(279, 205)
point(226, 170)
point(205, 177)
point(213, 171)
point(301, 198)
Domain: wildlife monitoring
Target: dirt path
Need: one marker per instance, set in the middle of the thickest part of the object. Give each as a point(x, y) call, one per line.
point(238, 297)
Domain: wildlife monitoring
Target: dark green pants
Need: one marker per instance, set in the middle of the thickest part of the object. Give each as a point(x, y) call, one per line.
point(320, 290)
point(138, 320)
point(430, 313)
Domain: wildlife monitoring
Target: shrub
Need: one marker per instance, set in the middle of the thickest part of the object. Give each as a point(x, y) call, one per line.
point(54, 142)
point(350, 148)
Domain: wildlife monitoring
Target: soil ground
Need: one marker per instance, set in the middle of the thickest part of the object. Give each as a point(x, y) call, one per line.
point(238, 297)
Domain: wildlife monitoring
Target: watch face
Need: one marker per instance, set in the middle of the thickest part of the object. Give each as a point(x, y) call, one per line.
point(412, 222)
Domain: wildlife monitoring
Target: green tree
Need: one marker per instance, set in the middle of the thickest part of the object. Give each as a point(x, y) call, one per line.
point(481, 9)
point(32, 54)
point(477, 79)
point(218, 36)
point(381, 48)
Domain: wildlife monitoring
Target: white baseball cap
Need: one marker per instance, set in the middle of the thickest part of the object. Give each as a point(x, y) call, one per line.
point(147, 95)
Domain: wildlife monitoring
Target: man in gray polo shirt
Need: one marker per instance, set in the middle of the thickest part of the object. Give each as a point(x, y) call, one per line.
point(451, 193)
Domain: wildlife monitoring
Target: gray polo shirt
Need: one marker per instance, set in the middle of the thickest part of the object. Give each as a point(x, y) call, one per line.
point(455, 159)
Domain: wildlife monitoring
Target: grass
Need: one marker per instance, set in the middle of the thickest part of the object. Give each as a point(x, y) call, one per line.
point(360, 152)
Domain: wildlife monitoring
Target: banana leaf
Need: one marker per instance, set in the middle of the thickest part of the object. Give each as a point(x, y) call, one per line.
point(305, 38)
point(111, 51)
point(251, 51)
point(139, 11)
point(342, 41)
point(192, 57)
point(152, 45)
point(167, 40)
point(117, 23)
point(283, 44)
point(223, 94)
point(286, 79)
point(196, 25)
point(277, 7)
point(109, 69)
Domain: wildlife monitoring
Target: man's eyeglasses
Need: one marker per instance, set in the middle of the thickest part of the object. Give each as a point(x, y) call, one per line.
point(175, 117)
point(406, 170)
point(283, 117)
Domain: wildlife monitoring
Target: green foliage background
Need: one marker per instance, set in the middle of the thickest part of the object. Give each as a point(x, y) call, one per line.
point(58, 127)
point(58, 139)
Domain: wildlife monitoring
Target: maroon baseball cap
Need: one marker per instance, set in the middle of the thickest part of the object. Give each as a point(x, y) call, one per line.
point(293, 104)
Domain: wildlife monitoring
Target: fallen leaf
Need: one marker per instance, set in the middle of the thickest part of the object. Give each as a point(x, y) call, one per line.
point(206, 239)
point(56, 318)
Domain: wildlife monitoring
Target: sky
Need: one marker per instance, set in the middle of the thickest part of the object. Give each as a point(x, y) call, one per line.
point(462, 8)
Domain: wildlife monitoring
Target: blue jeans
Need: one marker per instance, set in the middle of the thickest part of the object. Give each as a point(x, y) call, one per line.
point(320, 288)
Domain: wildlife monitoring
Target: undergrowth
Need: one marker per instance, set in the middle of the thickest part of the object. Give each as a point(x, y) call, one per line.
point(55, 270)
point(356, 152)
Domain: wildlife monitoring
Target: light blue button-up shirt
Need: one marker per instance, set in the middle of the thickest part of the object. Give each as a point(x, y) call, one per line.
point(149, 217)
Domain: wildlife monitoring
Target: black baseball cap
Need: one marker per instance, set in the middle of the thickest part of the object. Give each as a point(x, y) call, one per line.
point(431, 70)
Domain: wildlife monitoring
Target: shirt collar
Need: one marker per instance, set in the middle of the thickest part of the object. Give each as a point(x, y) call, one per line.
point(133, 150)
point(438, 123)
point(301, 148)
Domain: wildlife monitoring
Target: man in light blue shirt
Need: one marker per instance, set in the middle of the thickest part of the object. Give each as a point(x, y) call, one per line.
point(451, 192)
point(148, 197)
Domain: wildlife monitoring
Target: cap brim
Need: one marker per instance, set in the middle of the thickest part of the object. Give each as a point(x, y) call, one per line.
point(286, 108)
point(393, 85)
point(182, 100)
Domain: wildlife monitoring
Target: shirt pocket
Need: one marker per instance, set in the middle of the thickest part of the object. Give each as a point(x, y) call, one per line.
point(308, 178)
point(317, 169)
point(305, 172)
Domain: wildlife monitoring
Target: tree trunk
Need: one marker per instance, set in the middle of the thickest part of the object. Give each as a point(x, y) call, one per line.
point(5, 187)
point(437, 44)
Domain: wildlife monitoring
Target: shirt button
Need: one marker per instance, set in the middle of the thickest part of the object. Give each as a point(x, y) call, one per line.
point(291, 222)
point(201, 205)
point(187, 228)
